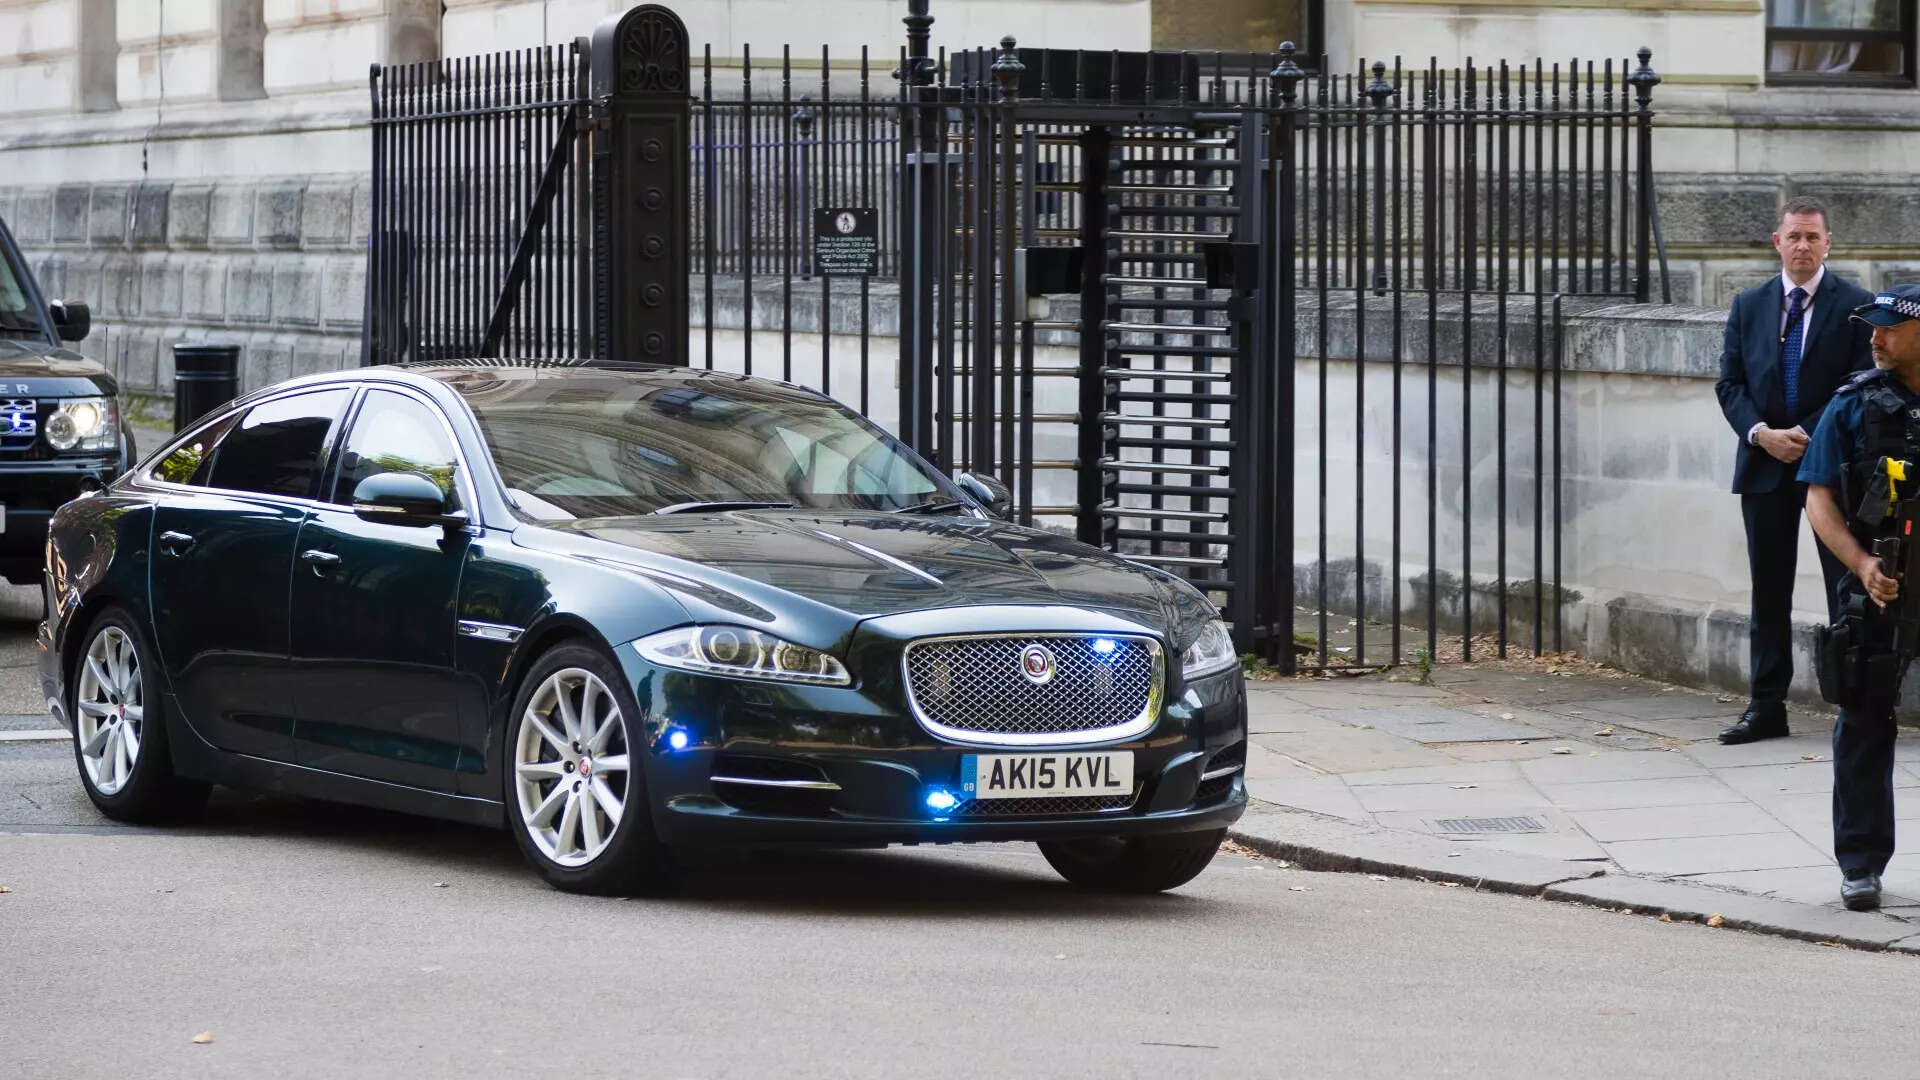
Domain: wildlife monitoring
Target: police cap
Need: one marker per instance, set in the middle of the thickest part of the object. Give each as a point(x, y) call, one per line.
point(1892, 307)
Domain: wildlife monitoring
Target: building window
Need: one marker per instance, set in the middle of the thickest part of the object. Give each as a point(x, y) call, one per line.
point(1840, 42)
point(1241, 29)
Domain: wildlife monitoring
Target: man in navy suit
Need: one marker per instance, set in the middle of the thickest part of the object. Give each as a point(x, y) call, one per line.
point(1789, 345)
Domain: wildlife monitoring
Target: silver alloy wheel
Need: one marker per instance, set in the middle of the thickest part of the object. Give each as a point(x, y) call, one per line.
point(570, 767)
point(110, 715)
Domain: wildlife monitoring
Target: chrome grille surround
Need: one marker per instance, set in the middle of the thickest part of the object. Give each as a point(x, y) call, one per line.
point(969, 688)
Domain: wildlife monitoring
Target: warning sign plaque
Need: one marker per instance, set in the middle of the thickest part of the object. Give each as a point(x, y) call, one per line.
point(846, 241)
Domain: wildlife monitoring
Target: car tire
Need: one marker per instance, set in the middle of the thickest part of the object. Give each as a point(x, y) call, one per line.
point(120, 729)
point(561, 787)
point(1133, 864)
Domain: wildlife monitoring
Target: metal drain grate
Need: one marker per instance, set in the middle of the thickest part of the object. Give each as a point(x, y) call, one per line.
point(1489, 825)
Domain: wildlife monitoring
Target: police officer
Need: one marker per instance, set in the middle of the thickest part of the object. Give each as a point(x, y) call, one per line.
point(1876, 414)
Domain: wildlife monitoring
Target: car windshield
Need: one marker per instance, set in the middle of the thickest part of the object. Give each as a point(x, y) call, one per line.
point(580, 444)
point(16, 315)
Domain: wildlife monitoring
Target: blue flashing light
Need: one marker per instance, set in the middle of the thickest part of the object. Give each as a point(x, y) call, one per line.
point(1104, 645)
point(677, 740)
point(940, 800)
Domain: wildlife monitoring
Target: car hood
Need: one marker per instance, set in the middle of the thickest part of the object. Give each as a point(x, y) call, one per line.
point(31, 367)
point(864, 564)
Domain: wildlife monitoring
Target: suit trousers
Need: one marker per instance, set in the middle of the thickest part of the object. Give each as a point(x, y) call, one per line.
point(1773, 548)
point(1863, 789)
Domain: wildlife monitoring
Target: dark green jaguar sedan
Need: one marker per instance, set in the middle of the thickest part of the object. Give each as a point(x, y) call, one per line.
point(627, 611)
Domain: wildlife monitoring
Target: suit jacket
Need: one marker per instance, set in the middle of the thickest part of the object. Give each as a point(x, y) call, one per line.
point(1752, 388)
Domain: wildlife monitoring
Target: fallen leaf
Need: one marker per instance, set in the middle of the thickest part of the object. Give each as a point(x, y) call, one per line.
point(1561, 750)
point(439, 884)
point(203, 1038)
point(1377, 877)
point(431, 968)
point(1716, 920)
point(1298, 888)
point(1486, 701)
point(1724, 698)
point(1664, 917)
point(1506, 716)
point(1605, 731)
point(1813, 757)
point(1465, 787)
point(1059, 956)
point(4, 889)
point(1448, 884)
point(1626, 911)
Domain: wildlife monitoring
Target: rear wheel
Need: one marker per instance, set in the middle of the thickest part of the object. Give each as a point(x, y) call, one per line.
point(1133, 864)
point(119, 731)
point(576, 797)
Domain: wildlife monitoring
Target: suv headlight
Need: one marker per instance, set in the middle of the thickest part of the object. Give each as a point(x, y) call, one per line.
point(1210, 652)
point(743, 654)
point(88, 423)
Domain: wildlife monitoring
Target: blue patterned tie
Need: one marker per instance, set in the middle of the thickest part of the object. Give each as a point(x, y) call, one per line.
point(1790, 348)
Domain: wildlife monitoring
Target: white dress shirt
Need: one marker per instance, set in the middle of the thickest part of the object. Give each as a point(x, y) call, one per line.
point(1806, 318)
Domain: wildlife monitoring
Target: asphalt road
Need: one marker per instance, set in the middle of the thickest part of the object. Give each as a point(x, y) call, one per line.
point(321, 941)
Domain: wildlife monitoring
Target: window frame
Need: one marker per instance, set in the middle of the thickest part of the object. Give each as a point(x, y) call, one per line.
point(1904, 36)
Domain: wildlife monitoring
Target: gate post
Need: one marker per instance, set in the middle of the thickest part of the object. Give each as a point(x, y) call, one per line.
point(641, 174)
point(922, 187)
point(1643, 80)
point(1276, 591)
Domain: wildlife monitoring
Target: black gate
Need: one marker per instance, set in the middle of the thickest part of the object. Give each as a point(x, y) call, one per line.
point(1289, 333)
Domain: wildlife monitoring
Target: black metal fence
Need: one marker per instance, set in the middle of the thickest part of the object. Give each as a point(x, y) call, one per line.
point(1293, 335)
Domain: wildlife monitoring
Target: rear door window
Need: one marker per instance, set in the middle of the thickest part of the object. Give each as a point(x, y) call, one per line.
point(279, 446)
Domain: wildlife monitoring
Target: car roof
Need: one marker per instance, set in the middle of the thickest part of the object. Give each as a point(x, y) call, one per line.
point(447, 372)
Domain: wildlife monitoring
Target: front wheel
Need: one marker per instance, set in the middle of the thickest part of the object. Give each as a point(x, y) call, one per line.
point(1135, 864)
point(576, 797)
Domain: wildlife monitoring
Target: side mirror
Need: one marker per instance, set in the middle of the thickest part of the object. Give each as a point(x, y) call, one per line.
point(996, 496)
point(71, 319)
point(402, 499)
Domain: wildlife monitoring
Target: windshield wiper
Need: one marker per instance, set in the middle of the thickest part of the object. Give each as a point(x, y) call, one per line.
point(931, 506)
point(712, 507)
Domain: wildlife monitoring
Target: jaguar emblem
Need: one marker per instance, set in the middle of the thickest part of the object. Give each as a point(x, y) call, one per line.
point(1036, 663)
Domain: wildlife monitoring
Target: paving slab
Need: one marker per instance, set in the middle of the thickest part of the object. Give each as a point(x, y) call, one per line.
point(1672, 705)
point(1663, 823)
point(1620, 765)
point(1352, 750)
point(1788, 751)
point(1456, 800)
point(1329, 796)
point(1777, 850)
point(1321, 844)
point(1627, 794)
point(1267, 764)
point(1468, 772)
point(1800, 884)
point(1435, 724)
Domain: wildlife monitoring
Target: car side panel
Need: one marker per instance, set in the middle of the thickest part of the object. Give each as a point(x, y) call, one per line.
point(532, 596)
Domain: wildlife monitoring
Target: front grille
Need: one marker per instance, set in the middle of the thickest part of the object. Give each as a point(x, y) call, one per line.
point(19, 424)
point(976, 689)
point(1078, 804)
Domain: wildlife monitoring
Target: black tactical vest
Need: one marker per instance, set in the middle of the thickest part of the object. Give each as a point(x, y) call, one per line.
point(1890, 429)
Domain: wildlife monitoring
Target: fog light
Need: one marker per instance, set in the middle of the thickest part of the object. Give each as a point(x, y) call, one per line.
point(677, 740)
point(1104, 645)
point(940, 801)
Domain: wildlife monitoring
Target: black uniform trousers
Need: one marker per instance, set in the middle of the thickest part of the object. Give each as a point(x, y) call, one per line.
point(1863, 789)
point(1773, 548)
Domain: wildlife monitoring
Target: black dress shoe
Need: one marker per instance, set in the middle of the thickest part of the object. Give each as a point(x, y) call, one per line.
point(1758, 722)
point(1861, 893)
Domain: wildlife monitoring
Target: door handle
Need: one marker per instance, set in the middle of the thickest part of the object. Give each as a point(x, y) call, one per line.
point(176, 543)
point(322, 562)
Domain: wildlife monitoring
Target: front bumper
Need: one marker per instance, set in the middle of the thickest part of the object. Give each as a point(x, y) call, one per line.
point(882, 763)
point(31, 491)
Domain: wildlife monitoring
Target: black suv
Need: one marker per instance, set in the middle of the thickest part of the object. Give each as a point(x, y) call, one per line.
point(61, 429)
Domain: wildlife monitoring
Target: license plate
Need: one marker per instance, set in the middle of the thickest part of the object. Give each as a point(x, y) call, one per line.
point(1029, 776)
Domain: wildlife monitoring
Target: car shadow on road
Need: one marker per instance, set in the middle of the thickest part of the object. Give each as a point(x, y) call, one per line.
point(1009, 881)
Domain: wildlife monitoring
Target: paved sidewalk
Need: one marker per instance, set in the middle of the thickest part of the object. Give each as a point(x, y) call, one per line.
point(1593, 770)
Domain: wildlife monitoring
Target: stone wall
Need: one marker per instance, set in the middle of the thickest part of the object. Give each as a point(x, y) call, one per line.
point(275, 265)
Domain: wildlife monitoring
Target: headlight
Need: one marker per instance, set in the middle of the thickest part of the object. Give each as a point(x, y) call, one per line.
point(742, 653)
point(1212, 651)
point(91, 423)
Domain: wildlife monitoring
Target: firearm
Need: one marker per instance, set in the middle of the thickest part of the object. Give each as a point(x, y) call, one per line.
point(1865, 655)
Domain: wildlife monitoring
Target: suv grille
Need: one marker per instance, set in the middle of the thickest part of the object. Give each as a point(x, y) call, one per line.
point(19, 423)
point(1086, 687)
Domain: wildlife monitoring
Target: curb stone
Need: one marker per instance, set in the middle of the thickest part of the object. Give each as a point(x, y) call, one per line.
point(1314, 842)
